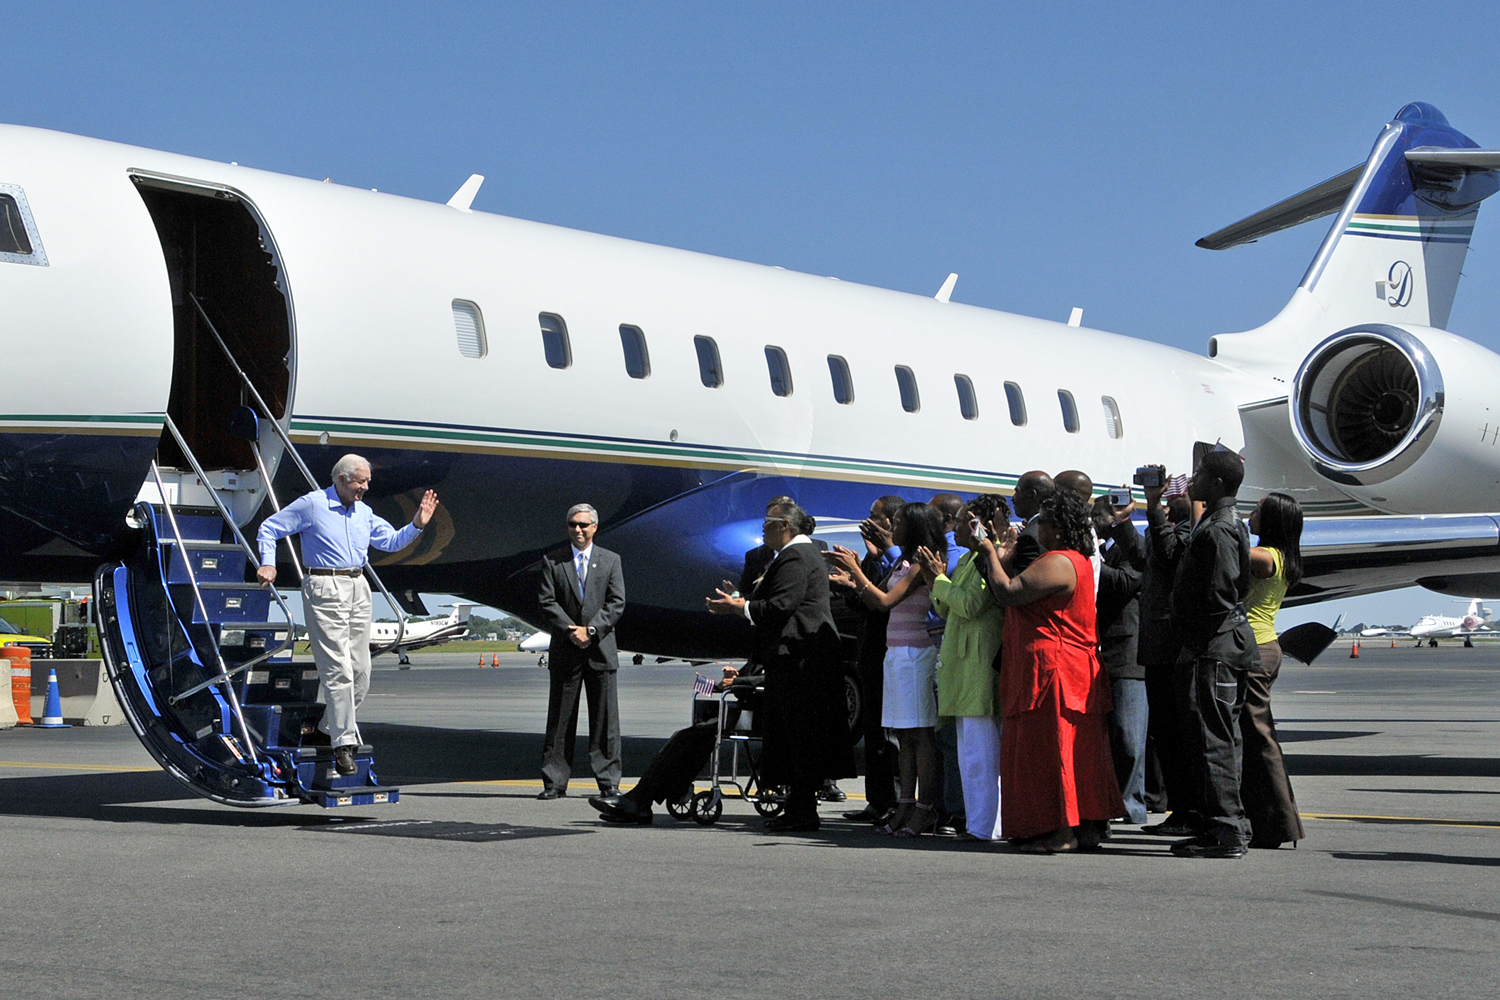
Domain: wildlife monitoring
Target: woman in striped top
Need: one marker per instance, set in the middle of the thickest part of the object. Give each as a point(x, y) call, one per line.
point(910, 698)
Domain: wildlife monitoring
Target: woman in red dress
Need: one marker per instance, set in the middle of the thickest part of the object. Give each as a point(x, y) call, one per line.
point(1057, 780)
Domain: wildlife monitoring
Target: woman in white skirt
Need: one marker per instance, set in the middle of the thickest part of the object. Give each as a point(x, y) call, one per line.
point(910, 699)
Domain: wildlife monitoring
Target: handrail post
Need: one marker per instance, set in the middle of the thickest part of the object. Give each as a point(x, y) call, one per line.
point(286, 441)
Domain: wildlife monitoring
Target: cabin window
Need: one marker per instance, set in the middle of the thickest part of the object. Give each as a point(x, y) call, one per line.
point(843, 382)
point(555, 343)
point(1112, 422)
point(637, 358)
point(469, 323)
point(968, 402)
point(906, 381)
point(709, 368)
point(18, 239)
point(780, 370)
point(1069, 411)
point(1016, 400)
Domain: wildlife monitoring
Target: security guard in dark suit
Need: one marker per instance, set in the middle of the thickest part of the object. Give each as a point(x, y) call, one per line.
point(581, 597)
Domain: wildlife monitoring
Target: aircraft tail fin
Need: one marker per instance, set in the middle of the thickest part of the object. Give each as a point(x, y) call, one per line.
point(1396, 246)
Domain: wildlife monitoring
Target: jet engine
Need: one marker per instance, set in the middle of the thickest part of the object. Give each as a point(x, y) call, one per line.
point(1398, 418)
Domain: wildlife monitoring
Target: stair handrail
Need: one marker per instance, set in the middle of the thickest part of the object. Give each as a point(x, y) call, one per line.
point(286, 441)
point(225, 672)
point(234, 701)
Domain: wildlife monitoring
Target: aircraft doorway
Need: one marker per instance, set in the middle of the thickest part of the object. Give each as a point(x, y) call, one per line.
point(221, 260)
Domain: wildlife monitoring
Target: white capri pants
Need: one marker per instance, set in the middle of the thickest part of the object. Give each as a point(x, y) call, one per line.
point(979, 766)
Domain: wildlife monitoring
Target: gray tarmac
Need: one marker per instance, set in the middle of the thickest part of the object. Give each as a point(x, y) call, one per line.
point(121, 883)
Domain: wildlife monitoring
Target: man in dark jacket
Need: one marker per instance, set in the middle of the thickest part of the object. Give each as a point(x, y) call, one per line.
point(1118, 623)
point(1031, 489)
point(881, 556)
point(1218, 650)
point(1167, 528)
point(805, 738)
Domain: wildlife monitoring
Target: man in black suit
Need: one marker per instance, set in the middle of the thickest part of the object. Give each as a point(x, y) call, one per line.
point(1031, 489)
point(582, 595)
point(1118, 624)
point(804, 732)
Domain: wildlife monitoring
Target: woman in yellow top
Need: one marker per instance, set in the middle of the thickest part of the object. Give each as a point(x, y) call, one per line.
point(966, 671)
point(1275, 565)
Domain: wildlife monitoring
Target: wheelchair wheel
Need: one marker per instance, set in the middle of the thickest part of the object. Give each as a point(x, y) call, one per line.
point(707, 808)
point(681, 808)
point(770, 803)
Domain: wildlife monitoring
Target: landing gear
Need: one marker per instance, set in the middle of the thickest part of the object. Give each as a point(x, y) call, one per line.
point(1468, 643)
point(405, 661)
point(1432, 644)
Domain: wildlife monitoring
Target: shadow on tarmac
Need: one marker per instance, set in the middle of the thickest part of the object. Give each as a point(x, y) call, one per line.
point(1405, 766)
point(415, 755)
point(1440, 859)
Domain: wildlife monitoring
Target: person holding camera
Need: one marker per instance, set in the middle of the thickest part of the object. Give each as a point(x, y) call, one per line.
point(1157, 646)
point(1218, 652)
point(1118, 625)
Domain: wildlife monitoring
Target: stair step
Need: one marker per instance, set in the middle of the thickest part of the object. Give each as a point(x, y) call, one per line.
point(367, 795)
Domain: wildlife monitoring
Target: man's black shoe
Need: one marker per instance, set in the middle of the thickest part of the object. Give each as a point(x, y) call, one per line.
point(831, 792)
point(869, 814)
point(617, 808)
point(1197, 847)
point(792, 824)
point(1170, 827)
point(548, 794)
point(343, 760)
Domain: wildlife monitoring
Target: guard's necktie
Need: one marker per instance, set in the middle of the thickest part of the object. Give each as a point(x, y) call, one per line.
point(582, 564)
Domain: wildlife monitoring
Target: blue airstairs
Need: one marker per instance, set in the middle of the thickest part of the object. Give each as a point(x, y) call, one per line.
point(205, 674)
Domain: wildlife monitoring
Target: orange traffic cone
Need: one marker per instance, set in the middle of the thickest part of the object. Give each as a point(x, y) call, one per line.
point(1393, 643)
point(481, 661)
point(20, 681)
point(1354, 650)
point(495, 660)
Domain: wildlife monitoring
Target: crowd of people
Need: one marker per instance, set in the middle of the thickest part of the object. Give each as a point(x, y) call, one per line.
point(1032, 671)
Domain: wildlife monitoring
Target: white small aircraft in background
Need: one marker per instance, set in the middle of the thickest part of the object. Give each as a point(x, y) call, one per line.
point(420, 635)
point(1475, 621)
point(538, 643)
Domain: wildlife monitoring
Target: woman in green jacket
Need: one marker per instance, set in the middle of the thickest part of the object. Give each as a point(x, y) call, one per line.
point(966, 672)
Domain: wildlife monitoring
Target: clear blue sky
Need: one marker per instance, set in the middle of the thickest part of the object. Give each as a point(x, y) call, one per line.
point(1053, 155)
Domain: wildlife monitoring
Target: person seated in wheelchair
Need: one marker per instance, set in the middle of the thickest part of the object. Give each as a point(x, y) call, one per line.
point(669, 776)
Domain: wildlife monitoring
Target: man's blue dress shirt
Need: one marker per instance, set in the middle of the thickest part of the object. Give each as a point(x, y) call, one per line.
point(334, 536)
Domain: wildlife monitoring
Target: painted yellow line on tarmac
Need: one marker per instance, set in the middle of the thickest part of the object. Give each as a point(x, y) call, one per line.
point(1471, 824)
point(71, 767)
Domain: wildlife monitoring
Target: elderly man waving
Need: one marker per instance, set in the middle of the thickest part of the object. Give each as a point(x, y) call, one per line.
point(338, 529)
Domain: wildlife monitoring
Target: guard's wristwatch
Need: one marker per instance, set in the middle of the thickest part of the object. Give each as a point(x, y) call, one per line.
point(593, 632)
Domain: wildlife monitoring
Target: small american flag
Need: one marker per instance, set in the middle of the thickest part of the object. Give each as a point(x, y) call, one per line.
point(1176, 486)
point(702, 685)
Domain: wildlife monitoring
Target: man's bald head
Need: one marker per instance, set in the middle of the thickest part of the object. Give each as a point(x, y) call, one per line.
point(948, 505)
point(1078, 482)
point(1031, 489)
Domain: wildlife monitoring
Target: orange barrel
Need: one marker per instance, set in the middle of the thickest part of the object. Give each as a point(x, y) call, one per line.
point(20, 680)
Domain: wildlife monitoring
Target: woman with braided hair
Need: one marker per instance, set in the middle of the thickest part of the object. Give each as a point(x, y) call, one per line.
point(1055, 764)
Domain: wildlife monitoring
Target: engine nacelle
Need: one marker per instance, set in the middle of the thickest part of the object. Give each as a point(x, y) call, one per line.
point(1400, 419)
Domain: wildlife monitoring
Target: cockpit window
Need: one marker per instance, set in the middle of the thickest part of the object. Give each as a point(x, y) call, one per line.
point(18, 239)
point(13, 237)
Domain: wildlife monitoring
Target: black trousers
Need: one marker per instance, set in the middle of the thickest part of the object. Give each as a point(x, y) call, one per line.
point(672, 770)
point(1210, 695)
point(1165, 730)
point(602, 690)
point(880, 755)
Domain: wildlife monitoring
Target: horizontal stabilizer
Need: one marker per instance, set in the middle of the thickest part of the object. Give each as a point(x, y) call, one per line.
point(1456, 159)
point(1314, 203)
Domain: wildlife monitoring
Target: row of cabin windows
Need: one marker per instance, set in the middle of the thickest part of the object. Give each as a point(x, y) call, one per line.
point(558, 350)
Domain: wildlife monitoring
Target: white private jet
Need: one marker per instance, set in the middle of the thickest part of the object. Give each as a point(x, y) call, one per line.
point(1475, 621)
point(228, 330)
point(390, 637)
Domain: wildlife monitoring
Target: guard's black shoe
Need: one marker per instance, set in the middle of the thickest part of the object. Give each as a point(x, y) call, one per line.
point(831, 792)
point(1200, 848)
point(343, 760)
point(548, 794)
